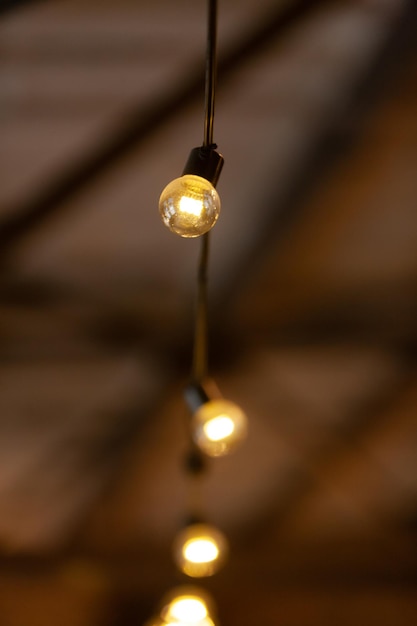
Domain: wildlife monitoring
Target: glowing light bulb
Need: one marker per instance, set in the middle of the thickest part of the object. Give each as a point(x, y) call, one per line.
point(218, 426)
point(188, 609)
point(200, 550)
point(189, 206)
point(187, 606)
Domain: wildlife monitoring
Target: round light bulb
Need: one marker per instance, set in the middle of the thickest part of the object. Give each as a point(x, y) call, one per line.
point(218, 426)
point(200, 550)
point(187, 606)
point(189, 206)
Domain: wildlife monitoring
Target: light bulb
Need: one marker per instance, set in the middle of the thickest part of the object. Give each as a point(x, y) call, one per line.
point(189, 206)
point(218, 426)
point(187, 609)
point(200, 550)
point(187, 606)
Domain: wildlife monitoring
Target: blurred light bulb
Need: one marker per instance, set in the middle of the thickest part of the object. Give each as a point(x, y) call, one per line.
point(186, 606)
point(218, 426)
point(188, 609)
point(189, 206)
point(200, 550)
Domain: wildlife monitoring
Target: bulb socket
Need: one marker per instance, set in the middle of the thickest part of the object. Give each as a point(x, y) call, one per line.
point(194, 462)
point(206, 162)
point(191, 519)
point(195, 396)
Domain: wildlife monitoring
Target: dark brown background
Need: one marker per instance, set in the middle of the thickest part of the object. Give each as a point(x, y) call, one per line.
point(313, 325)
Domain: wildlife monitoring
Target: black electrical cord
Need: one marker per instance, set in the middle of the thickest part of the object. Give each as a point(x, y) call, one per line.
point(200, 348)
point(211, 70)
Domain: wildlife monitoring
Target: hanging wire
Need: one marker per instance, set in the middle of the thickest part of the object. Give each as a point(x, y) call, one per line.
point(200, 353)
point(211, 67)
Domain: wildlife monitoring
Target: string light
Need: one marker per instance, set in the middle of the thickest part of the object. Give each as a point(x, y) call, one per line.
point(218, 426)
point(190, 206)
point(188, 606)
point(200, 550)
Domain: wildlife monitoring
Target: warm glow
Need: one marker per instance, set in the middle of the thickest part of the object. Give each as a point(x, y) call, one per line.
point(188, 609)
point(202, 550)
point(187, 605)
point(189, 206)
point(218, 427)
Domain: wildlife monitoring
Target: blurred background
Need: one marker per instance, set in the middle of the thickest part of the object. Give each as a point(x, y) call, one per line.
point(313, 305)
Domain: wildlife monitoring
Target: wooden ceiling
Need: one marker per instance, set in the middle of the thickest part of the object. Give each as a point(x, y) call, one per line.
point(313, 309)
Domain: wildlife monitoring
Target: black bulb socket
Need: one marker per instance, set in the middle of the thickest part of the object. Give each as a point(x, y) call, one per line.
point(191, 519)
point(194, 462)
point(206, 162)
point(195, 396)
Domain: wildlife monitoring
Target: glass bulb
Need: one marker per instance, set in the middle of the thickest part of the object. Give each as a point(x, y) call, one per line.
point(187, 606)
point(200, 550)
point(189, 206)
point(187, 609)
point(218, 426)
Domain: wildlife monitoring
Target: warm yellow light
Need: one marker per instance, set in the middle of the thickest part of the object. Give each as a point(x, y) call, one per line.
point(187, 605)
point(200, 550)
point(218, 426)
point(188, 609)
point(173, 621)
point(189, 206)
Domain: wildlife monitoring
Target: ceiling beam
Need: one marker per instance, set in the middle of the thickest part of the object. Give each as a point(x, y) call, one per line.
point(137, 125)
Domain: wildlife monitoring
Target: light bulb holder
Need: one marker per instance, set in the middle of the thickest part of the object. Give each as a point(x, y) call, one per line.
point(191, 519)
point(206, 162)
point(217, 425)
point(194, 462)
point(195, 396)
